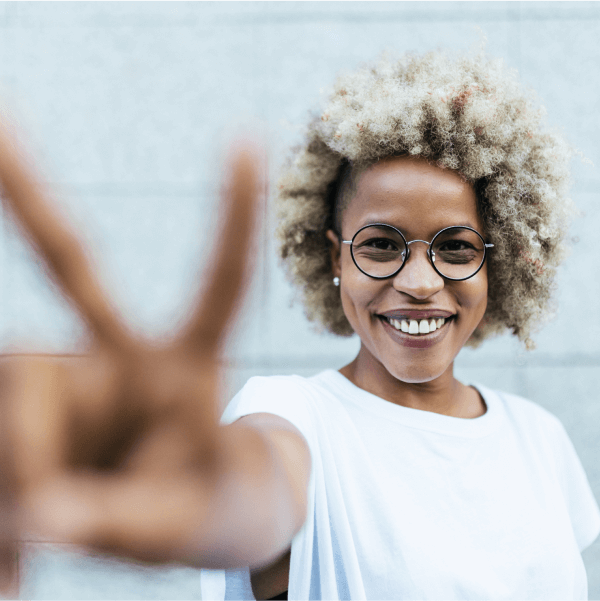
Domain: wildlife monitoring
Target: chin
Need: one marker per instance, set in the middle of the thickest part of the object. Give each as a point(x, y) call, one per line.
point(416, 372)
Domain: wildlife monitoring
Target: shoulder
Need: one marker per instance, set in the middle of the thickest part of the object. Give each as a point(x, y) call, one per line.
point(267, 383)
point(544, 435)
point(539, 433)
point(291, 397)
point(287, 387)
point(522, 406)
point(283, 390)
point(522, 412)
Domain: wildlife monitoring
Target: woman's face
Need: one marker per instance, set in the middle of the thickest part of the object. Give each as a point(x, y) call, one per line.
point(419, 199)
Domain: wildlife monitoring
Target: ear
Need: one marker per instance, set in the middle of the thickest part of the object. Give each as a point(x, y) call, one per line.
point(335, 251)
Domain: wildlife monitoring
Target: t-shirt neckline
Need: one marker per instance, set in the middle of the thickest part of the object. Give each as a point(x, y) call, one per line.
point(417, 418)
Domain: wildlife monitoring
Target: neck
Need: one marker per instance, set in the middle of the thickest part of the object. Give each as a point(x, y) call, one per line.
point(443, 394)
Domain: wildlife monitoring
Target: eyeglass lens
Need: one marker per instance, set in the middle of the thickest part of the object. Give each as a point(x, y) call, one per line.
point(379, 251)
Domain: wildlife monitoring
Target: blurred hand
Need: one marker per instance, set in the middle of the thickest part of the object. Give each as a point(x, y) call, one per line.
point(120, 449)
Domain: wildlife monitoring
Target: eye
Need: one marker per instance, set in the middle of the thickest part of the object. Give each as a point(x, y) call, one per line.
point(457, 252)
point(455, 246)
point(381, 244)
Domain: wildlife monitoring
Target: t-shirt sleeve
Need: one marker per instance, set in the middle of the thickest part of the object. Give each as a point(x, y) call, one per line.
point(582, 505)
point(285, 396)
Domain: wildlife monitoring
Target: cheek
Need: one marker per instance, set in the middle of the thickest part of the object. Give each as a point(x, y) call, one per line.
point(355, 295)
point(476, 296)
point(358, 292)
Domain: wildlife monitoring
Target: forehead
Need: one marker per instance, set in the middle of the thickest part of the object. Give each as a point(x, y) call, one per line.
point(415, 196)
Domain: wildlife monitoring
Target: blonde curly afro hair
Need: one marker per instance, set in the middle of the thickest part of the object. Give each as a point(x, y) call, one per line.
point(467, 113)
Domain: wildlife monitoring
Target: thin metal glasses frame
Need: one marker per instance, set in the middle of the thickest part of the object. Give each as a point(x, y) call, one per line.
point(430, 253)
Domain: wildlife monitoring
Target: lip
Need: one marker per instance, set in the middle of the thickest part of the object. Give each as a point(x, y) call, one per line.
point(421, 341)
point(414, 314)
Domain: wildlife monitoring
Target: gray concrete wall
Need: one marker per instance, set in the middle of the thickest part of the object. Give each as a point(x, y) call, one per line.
point(127, 106)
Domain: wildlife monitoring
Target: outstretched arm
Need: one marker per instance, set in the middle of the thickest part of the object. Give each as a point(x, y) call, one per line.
point(122, 450)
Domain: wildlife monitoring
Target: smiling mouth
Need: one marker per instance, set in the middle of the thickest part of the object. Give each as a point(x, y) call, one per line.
point(417, 327)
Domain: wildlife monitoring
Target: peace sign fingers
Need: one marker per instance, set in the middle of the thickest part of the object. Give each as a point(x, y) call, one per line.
point(131, 415)
point(56, 244)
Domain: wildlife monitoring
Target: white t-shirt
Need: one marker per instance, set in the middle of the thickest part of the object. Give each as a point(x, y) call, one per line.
point(409, 504)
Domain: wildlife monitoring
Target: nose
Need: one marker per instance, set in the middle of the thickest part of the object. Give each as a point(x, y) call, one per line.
point(418, 278)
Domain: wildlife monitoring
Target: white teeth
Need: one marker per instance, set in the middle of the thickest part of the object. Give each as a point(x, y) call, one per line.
point(422, 326)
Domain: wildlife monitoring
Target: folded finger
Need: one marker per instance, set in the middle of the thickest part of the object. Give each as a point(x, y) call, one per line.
point(34, 413)
point(141, 517)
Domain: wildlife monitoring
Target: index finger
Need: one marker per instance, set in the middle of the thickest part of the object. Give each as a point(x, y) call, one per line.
point(241, 193)
point(55, 243)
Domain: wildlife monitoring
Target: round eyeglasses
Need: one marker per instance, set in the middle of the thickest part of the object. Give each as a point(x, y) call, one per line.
point(380, 251)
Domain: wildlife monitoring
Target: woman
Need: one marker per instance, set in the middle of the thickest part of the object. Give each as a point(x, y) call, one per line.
point(426, 211)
